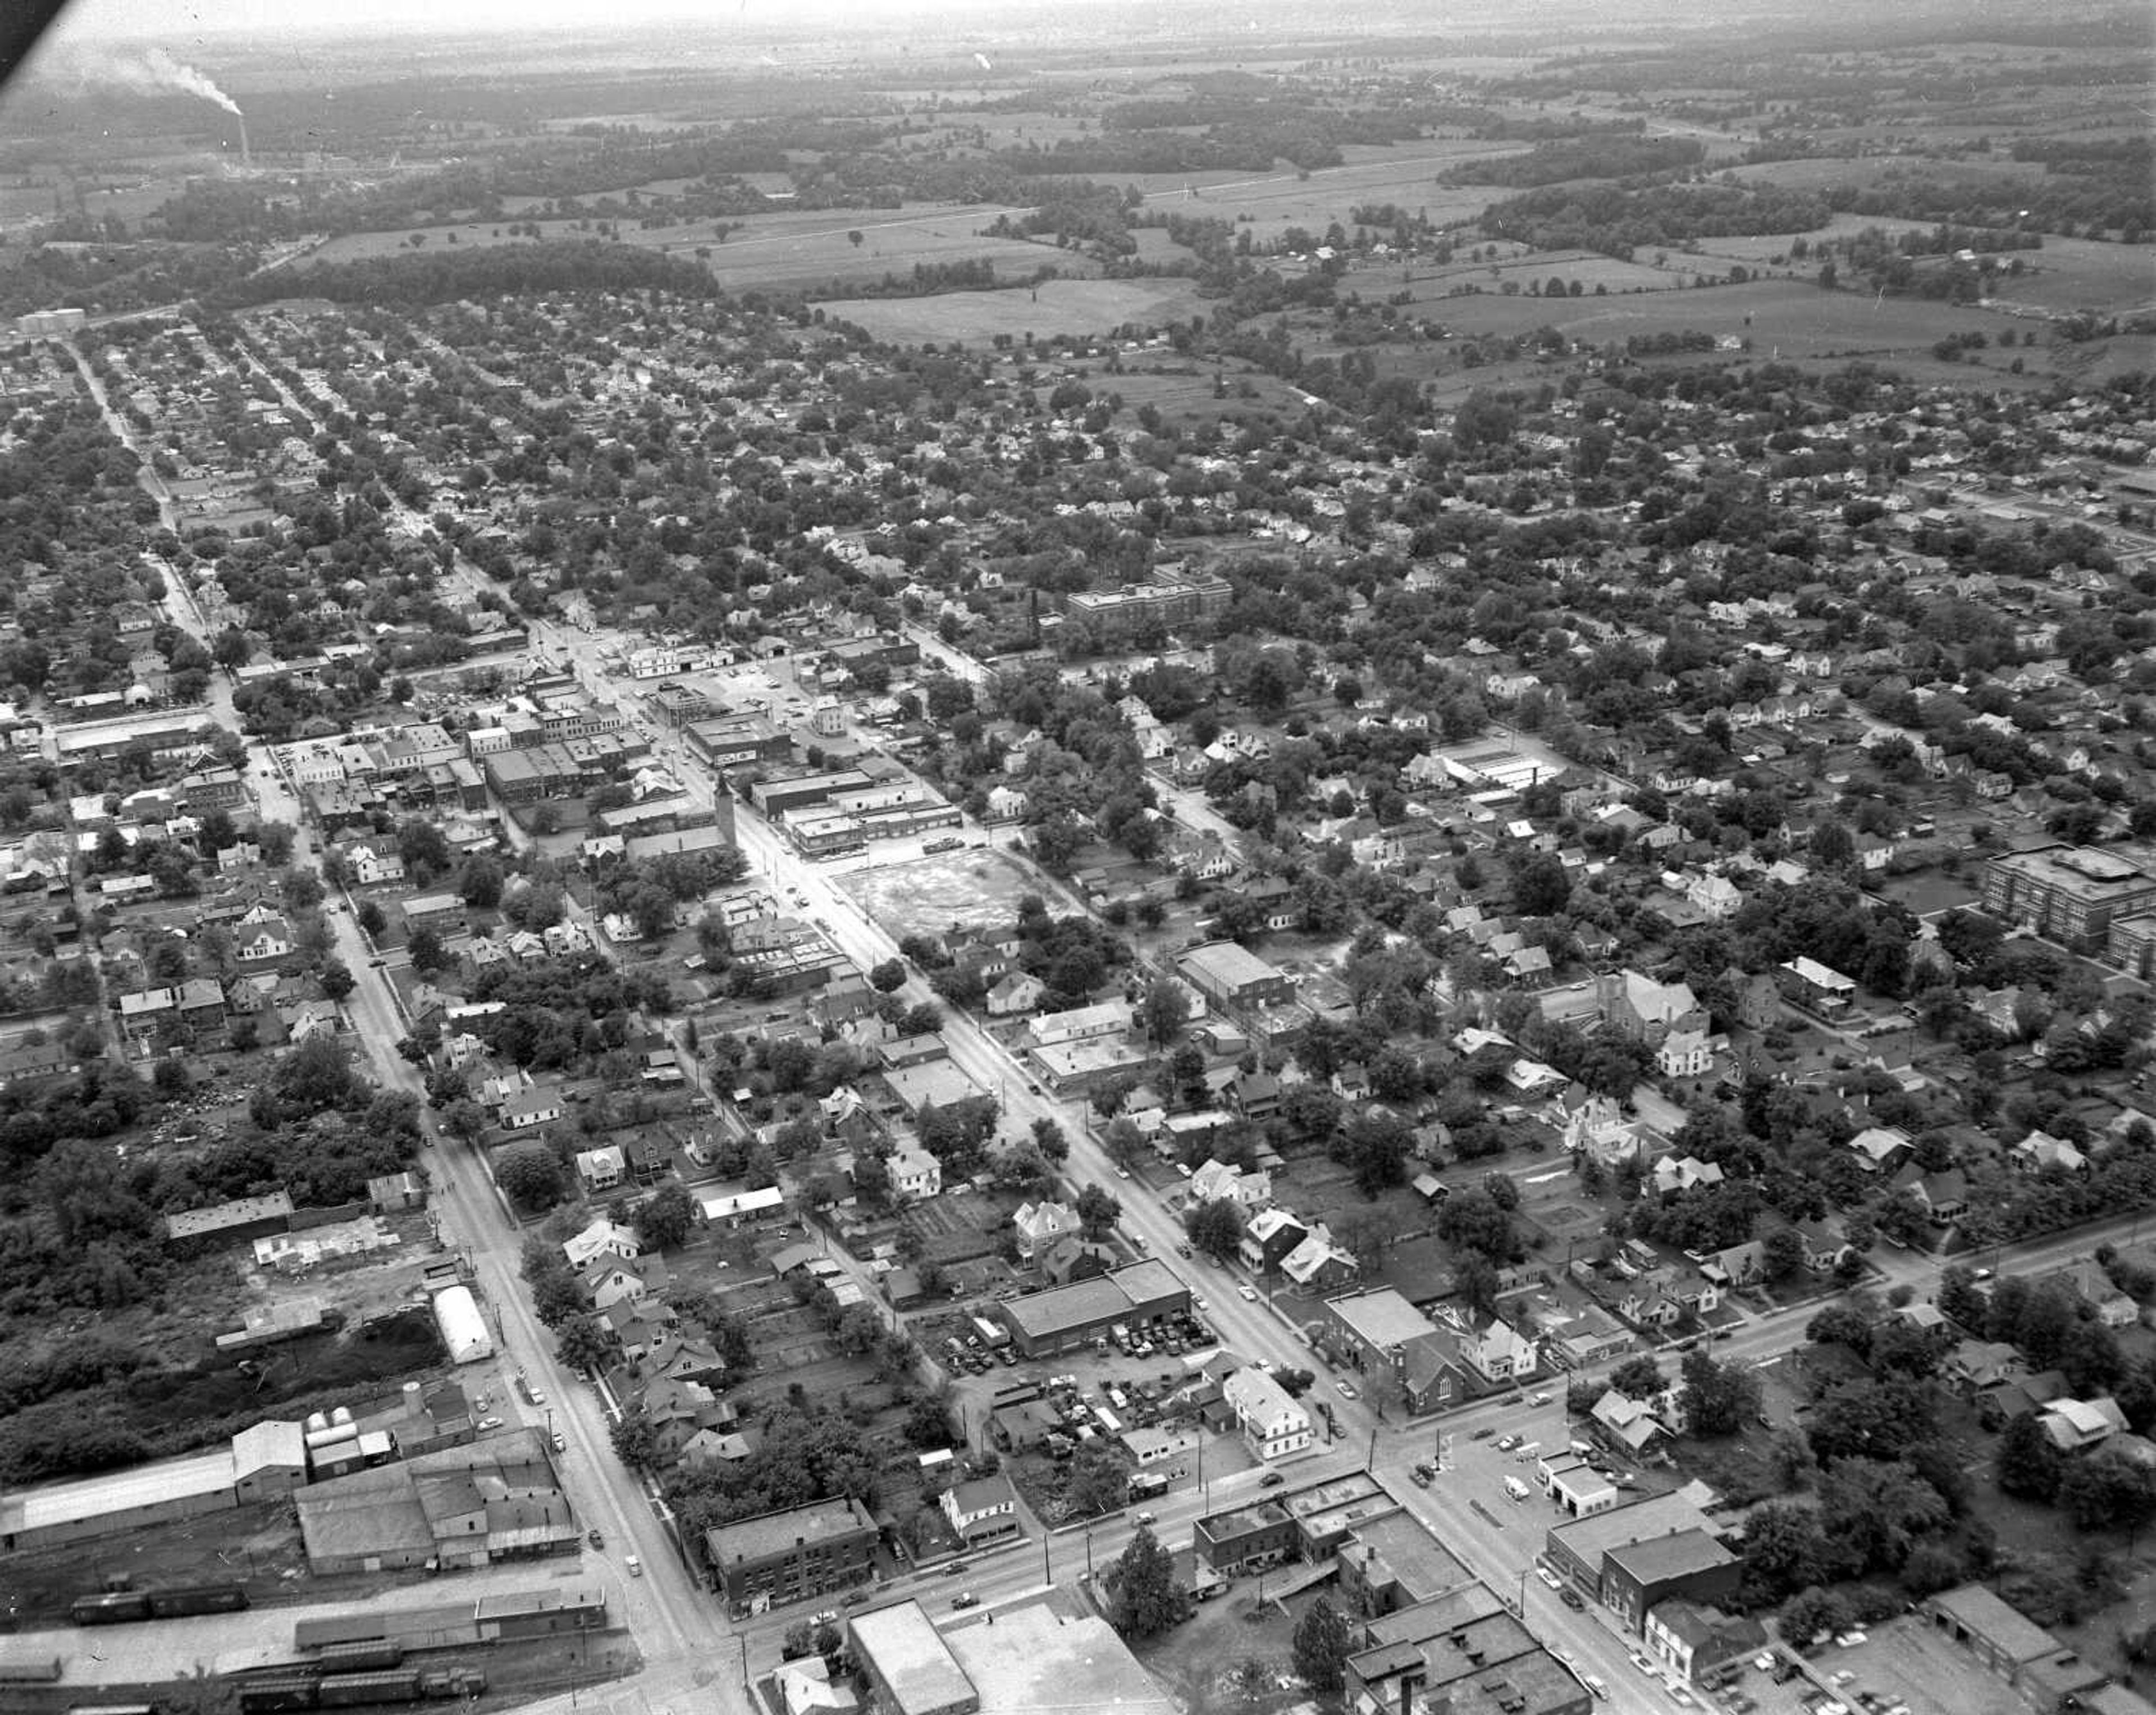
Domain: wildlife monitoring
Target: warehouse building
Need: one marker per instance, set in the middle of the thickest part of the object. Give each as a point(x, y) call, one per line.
point(1629, 1559)
point(261, 1463)
point(1064, 1318)
point(1017, 1661)
point(497, 1499)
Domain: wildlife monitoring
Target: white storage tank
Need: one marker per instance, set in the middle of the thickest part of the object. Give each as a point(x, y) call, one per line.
point(464, 1329)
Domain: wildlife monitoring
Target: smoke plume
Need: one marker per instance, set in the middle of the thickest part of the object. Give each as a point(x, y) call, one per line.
point(158, 70)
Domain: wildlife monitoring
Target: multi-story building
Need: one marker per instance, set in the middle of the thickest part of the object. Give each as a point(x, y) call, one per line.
point(2068, 894)
point(786, 1557)
point(1232, 975)
point(1273, 1425)
point(1167, 598)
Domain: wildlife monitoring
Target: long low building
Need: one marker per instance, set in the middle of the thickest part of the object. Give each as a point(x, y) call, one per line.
point(261, 1463)
point(777, 1558)
point(1044, 1323)
point(1017, 1661)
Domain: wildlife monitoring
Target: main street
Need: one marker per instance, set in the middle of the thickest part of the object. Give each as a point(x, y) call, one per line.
point(676, 1624)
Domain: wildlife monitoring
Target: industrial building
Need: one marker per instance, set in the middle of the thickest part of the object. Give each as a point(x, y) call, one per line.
point(545, 1610)
point(785, 1556)
point(261, 1463)
point(464, 1329)
point(1233, 977)
point(1044, 1323)
point(493, 1500)
point(1015, 1661)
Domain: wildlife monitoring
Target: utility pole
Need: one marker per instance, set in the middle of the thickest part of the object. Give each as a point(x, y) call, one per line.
point(1370, 1458)
point(1045, 1577)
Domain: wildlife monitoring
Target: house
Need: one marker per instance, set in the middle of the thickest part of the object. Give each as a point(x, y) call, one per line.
point(528, 1110)
point(1497, 1353)
point(1219, 1180)
point(1944, 1196)
point(1688, 1054)
point(600, 1239)
point(370, 867)
point(1824, 1244)
point(1733, 1266)
point(1270, 1240)
point(2039, 1151)
point(1881, 1149)
point(1626, 1423)
point(600, 1169)
point(1317, 1266)
point(1273, 1425)
point(1256, 1096)
point(2094, 1287)
point(982, 1509)
point(916, 1175)
point(260, 942)
point(1646, 1010)
point(1017, 993)
point(2076, 1426)
point(1040, 1224)
point(806, 1686)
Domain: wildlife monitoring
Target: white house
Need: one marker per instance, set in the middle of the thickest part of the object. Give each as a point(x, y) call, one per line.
point(1217, 1180)
point(601, 1169)
point(1273, 1425)
point(1040, 1224)
point(1686, 1053)
point(601, 1239)
point(914, 1173)
point(984, 1507)
point(258, 943)
point(1498, 1353)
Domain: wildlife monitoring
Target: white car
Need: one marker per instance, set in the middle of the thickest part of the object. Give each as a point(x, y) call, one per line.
point(1547, 1577)
point(1248, 1293)
point(1200, 1304)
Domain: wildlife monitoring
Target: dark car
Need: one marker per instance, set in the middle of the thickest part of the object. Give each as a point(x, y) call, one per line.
point(1572, 1599)
point(1271, 1480)
point(594, 1539)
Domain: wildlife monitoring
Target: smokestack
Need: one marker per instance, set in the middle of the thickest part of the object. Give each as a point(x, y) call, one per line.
point(246, 160)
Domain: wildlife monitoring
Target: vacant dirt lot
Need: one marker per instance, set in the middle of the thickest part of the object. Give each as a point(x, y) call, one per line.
point(978, 886)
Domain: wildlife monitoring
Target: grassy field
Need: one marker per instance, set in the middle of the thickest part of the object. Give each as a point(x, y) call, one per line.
point(1054, 307)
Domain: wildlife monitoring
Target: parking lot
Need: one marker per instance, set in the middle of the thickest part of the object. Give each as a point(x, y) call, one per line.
point(1900, 1663)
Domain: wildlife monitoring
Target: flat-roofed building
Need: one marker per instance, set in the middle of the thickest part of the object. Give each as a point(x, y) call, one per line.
point(1463, 1654)
point(909, 1669)
point(1687, 1563)
point(1043, 1323)
point(2070, 894)
point(1233, 975)
point(1579, 1550)
point(784, 1557)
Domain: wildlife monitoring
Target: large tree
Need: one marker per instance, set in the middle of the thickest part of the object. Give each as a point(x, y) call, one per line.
point(1215, 1227)
point(1321, 1646)
point(2027, 1464)
point(1147, 1599)
point(1717, 1398)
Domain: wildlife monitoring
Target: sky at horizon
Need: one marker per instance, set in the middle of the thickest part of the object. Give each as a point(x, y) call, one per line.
point(158, 21)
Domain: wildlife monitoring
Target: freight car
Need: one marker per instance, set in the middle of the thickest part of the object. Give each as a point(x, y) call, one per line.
point(358, 1656)
point(120, 1607)
point(269, 1697)
point(347, 1691)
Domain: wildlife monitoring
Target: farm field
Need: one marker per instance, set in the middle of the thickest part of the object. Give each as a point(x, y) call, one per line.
point(1055, 306)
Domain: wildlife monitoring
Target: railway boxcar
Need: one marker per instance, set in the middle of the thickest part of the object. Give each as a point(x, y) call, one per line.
point(359, 1655)
point(114, 1608)
point(347, 1691)
point(269, 1697)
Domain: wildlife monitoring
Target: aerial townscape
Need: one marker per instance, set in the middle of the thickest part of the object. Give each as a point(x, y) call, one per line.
point(800, 809)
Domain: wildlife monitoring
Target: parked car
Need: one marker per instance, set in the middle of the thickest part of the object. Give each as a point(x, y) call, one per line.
point(635, 1565)
point(561, 1442)
point(594, 1539)
point(1248, 1293)
point(484, 1424)
point(1271, 1480)
point(1547, 1577)
point(1572, 1599)
point(1345, 1391)
point(965, 1598)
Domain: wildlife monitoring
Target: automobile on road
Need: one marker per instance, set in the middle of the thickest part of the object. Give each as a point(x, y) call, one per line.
point(1345, 1391)
point(1247, 1293)
point(965, 1598)
point(594, 1539)
point(635, 1565)
point(1271, 1480)
point(484, 1424)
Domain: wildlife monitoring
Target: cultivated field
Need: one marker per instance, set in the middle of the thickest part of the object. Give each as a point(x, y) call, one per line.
point(1057, 306)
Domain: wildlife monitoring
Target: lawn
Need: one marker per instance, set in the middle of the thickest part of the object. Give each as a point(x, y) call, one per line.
point(977, 887)
point(1199, 1660)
